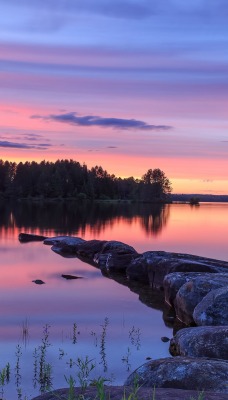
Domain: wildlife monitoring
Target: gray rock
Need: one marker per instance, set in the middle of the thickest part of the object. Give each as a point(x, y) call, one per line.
point(70, 277)
point(89, 248)
point(173, 282)
point(115, 256)
point(126, 392)
point(183, 373)
point(120, 247)
point(160, 263)
point(66, 246)
point(213, 310)
point(192, 292)
point(38, 282)
point(137, 270)
point(28, 237)
point(208, 341)
point(63, 240)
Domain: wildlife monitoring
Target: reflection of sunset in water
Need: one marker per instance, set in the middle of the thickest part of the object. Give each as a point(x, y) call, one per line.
point(181, 228)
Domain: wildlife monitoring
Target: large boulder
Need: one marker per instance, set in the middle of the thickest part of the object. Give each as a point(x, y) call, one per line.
point(89, 248)
point(183, 373)
point(160, 263)
point(173, 282)
point(63, 240)
point(126, 392)
point(115, 255)
point(213, 309)
point(192, 292)
point(208, 341)
point(138, 270)
point(66, 246)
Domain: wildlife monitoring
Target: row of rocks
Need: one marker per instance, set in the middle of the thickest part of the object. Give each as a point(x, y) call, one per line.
point(197, 297)
point(195, 287)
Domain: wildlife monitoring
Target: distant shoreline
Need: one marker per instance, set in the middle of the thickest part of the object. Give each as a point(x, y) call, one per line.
point(202, 197)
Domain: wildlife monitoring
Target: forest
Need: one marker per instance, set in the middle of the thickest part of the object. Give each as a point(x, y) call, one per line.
point(70, 179)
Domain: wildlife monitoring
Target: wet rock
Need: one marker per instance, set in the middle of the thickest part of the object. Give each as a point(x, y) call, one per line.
point(125, 392)
point(120, 247)
point(165, 339)
point(173, 282)
point(115, 256)
point(192, 292)
point(160, 263)
point(68, 277)
point(28, 237)
point(38, 282)
point(208, 341)
point(89, 248)
point(119, 262)
point(183, 373)
point(213, 310)
point(61, 241)
point(138, 270)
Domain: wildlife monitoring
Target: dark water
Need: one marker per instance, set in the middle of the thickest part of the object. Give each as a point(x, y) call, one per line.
point(116, 326)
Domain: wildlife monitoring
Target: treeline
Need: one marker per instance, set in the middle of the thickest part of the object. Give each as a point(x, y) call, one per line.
point(70, 179)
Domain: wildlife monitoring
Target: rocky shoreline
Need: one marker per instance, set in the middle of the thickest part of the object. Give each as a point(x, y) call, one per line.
point(195, 290)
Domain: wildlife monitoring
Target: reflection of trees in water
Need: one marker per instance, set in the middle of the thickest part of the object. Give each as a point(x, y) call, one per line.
point(71, 217)
point(155, 220)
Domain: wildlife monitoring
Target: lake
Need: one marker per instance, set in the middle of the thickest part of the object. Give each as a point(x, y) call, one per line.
point(62, 322)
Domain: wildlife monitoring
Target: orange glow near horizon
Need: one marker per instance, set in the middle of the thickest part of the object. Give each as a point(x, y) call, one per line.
point(114, 150)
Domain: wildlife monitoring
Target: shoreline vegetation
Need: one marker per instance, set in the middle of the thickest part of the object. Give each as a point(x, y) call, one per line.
point(69, 180)
point(66, 179)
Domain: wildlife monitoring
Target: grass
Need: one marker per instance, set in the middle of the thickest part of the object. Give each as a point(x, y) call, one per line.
point(81, 368)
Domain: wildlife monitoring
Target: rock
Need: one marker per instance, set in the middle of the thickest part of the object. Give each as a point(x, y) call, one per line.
point(63, 241)
point(65, 246)
point(160, 263)
point(120, 247)
point(165, 339)
point(118, 262)
point(121, 392)
point(138, 270)
point(71, 276)
point(213, 310)
point(210, 341)
point(173, 282)
point(28, 237)
point(183, 373)
point(115, 256)
point(89, 248)
point(192, 292)
point(38, 281)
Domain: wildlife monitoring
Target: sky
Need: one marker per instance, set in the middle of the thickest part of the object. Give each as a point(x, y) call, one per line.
point(125, 84)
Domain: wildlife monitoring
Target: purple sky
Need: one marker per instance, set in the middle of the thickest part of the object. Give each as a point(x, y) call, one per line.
point(129, 85)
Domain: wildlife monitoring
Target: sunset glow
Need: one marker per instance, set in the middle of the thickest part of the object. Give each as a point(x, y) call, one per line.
point(126, 85)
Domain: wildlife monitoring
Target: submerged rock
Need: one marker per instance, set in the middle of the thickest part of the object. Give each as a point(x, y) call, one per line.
point(183, 373)
point(210, 341)
point(213, 309)
point(28, 237)
point(38, 282)
point(66, 276)
point(191, 293)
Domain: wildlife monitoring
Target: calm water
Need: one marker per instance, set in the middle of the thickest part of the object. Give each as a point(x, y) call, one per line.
point(93, 316)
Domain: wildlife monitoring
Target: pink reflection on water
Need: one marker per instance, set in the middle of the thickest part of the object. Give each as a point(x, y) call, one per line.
point(88, 301)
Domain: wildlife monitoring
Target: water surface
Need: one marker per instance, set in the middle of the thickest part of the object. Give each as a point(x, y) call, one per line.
point(93, 316)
